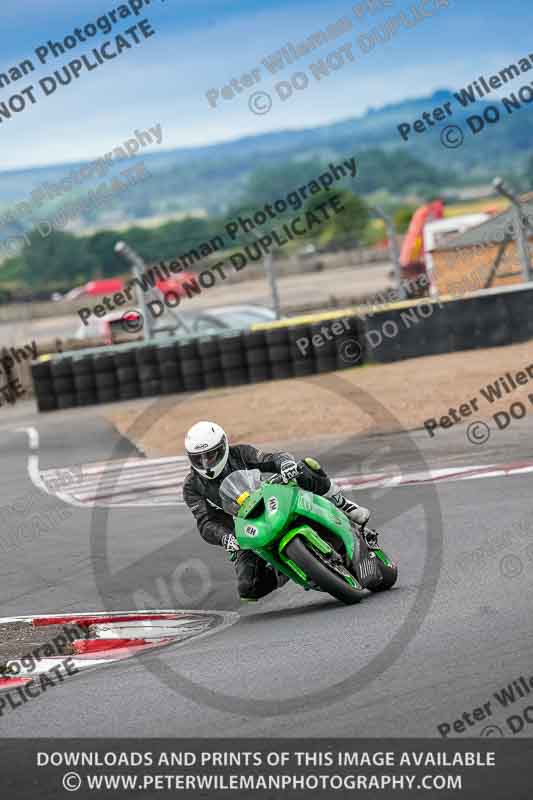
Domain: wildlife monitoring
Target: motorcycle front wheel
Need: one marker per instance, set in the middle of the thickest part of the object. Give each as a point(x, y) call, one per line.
point(321, 573)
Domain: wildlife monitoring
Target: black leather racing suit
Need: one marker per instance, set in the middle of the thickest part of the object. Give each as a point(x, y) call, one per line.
point(255, 578)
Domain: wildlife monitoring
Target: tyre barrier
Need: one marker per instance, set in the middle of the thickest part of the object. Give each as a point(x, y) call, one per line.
point(408, 330)
point(495, 318)
point(256, 356)
point(127, 372)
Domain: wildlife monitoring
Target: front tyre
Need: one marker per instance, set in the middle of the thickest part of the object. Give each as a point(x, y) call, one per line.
point(324, 575)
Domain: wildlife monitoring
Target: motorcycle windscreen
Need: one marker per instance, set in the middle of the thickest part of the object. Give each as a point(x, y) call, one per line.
point(237, 486)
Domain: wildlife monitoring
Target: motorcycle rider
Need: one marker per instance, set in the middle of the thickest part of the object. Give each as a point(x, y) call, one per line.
point(212, 459)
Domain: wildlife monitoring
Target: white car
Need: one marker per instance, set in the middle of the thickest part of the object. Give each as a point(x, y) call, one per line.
point(124, 323)
point(187, 323)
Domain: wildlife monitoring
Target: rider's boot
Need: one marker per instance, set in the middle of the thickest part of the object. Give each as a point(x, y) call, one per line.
point(282, 579)
point(358, 514)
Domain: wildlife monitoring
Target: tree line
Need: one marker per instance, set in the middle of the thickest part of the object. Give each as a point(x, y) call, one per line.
point(62, 260)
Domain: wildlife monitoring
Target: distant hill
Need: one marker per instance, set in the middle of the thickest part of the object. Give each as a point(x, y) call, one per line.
point(217, 176)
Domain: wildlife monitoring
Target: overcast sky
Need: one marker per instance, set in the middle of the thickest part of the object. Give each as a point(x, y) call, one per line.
point(203, 44)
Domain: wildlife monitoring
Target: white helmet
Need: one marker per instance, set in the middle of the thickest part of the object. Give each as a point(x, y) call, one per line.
point(207, 447)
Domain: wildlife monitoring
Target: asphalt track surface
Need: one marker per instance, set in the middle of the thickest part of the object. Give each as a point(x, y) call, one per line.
point(473, 638)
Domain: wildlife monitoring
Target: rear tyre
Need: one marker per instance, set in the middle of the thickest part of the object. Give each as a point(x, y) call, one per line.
point(320, 573)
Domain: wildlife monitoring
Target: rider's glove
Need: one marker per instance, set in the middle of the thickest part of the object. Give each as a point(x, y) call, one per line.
point(288, 470)
point(230, 543)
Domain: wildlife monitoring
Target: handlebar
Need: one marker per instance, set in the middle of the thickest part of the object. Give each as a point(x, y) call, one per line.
point(278, 479)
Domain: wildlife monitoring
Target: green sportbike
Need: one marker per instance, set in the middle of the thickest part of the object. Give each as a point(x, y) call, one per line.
point(305, 537)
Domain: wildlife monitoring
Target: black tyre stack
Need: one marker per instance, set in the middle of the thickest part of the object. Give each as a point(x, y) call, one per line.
point(106, 378)
point(432, 335)
point(84, 381)
point(63, 383)
point(382, 335)
point(232, 360)
point(209, 353)
point(519, 305)
point(169, 368)
point(191, 366)
point(148, 371)
point(256, 356)
point(463, 325)
point(494, 325)
point(127, 374)
point(279, 353)
point(325, 349)
point(350, 342)
point(301, 350)
point(43, 386)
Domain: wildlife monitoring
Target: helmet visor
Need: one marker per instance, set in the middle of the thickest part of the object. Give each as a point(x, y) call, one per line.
point(208, 459)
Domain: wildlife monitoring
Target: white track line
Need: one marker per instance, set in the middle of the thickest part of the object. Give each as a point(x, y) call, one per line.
point(136, 482)
point(34, 472)
point(135, 487)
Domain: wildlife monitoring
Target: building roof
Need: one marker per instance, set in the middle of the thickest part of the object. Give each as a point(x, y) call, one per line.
point(493, 230)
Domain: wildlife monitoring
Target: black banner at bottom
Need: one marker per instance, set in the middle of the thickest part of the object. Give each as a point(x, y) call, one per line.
point(489, 768)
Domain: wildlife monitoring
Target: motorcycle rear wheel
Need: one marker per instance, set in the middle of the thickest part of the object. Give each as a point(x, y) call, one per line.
point(319, 572)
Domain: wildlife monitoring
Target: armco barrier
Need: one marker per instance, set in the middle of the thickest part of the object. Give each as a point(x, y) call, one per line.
point(292, 348)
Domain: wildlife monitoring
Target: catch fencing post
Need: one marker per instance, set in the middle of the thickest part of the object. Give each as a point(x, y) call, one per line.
point(394, 250)
point(522, 242)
